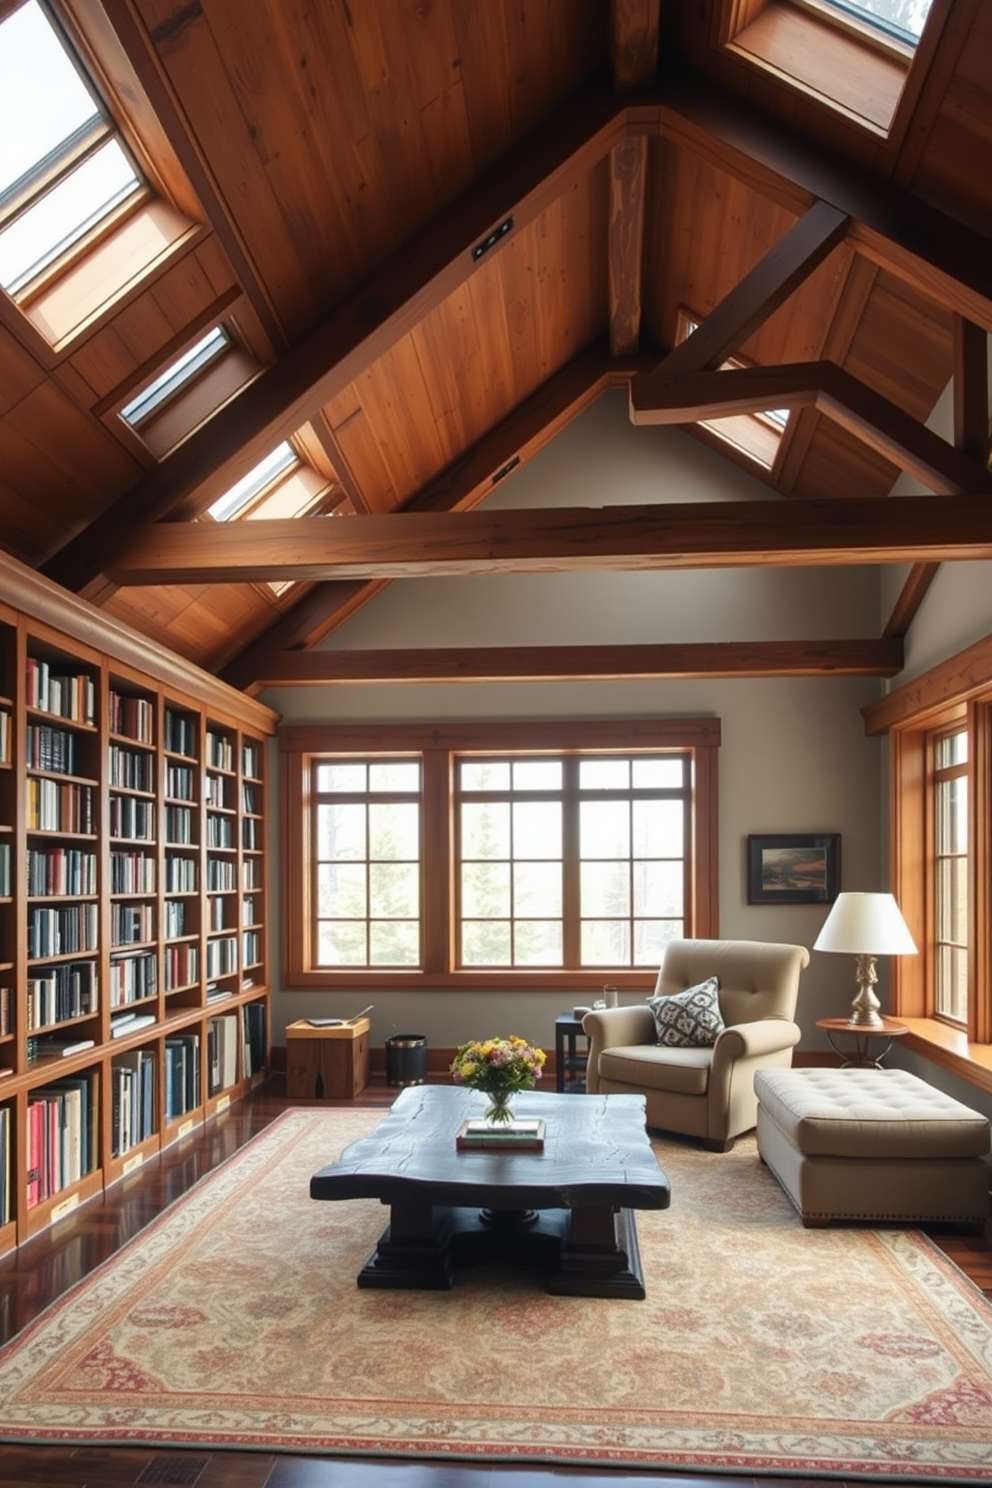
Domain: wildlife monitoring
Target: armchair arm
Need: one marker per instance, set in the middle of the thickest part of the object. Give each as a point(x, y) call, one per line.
point(764, 1036)
point(610, 1028)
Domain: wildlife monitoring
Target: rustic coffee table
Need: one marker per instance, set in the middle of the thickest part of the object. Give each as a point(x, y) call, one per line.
point(567, 1209)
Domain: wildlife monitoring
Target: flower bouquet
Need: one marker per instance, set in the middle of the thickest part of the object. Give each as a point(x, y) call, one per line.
point(499, 1068)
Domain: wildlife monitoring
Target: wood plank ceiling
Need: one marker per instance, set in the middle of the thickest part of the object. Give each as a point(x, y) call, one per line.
point(343, 168)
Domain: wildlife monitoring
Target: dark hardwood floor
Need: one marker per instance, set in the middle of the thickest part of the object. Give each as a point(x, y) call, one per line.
point(31, 1278)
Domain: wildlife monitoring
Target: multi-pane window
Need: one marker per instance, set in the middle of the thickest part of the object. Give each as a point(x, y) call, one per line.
point(950, 868)
point(901, 19)
point(63, 168)
point(554, 854)
point(367, 862)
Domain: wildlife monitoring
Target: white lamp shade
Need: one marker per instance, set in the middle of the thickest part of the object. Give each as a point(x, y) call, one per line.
point(866, 925)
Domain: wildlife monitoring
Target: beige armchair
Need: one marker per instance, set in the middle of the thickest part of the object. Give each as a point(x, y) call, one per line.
point(703, 1091)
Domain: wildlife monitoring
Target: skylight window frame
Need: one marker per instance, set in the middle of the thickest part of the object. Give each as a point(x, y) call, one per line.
point(778, 420)
point(833, 58)
point(56, 167)
point(253, 487)
point(176, 380)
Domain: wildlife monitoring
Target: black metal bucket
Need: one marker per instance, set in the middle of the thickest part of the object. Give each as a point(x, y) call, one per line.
point(406, 1059)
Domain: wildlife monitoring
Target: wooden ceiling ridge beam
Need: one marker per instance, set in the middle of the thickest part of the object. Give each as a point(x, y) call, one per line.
point(692, 397)
point(946, 259)
point(775, 533)
point(396, 297)
point(594, 663)
point(460, 486)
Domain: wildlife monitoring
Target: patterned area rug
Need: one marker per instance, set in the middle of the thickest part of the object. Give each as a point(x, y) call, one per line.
point(761, 1347)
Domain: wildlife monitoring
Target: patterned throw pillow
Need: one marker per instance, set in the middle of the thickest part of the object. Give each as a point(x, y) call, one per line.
point(689, 1019)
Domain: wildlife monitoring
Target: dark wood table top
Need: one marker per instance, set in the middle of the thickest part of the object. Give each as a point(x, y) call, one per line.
point(596, 1152)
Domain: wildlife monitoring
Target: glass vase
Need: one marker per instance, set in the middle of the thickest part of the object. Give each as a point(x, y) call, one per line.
point(499, 1112)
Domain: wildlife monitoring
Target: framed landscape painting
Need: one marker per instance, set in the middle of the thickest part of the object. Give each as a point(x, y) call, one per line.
point(793, 869)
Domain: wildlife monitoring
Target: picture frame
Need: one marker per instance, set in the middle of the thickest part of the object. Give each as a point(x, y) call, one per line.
point(793, 868)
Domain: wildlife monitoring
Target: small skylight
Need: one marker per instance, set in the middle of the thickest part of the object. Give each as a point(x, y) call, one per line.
point(241, 495)
point(757, 435)
point(176, 376)
point(62, 167)
point(902, 19)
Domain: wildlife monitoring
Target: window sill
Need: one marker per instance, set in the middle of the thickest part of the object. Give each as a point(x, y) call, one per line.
point(116, 268)
point(517, 980)
point(951, 1049)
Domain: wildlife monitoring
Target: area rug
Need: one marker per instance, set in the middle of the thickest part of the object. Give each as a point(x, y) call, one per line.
point(234, 1320)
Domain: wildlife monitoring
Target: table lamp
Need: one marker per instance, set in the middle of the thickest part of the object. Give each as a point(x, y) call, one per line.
point(865, 926)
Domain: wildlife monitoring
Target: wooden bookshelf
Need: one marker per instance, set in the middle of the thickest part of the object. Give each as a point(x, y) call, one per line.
point(133, 902)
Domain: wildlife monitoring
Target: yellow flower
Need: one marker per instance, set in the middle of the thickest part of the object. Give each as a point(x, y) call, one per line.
point(468, 1069)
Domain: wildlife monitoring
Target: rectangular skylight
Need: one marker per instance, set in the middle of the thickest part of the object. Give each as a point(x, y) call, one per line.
point(903, 19)
point(62, 167)
point(241, 495)
point(176, 376)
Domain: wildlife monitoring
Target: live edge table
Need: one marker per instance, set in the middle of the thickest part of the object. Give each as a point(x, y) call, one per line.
point(567, 1210)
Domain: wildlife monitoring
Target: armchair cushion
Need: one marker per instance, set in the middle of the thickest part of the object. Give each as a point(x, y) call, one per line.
point(689, 1019)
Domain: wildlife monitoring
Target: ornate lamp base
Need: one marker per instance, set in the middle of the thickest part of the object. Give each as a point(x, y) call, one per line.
point(866, 1008)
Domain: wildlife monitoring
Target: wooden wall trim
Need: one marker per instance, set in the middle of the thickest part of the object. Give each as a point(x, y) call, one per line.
point(954, 680)
point(50, 605)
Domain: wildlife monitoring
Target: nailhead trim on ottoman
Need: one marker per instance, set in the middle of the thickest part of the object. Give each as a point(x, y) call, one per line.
point(872, 1144)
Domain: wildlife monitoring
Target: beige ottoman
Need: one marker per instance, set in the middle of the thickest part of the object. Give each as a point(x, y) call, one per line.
point(872, 1144)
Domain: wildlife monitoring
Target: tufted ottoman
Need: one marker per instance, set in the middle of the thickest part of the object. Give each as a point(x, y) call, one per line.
point(872, 1144)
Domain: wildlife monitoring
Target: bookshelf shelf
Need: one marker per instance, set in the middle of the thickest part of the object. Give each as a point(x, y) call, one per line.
point(116, 756)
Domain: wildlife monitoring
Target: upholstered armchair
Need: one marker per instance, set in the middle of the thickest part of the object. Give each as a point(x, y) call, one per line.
point(702, 1089)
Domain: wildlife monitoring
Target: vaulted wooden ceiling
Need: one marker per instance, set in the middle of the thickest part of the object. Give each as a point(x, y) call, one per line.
point(442, 228)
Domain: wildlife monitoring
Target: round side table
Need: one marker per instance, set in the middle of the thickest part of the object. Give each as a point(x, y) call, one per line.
point(860, 1055)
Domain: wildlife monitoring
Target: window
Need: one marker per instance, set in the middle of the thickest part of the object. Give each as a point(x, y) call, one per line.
point(950, 870)
point(366, 866)
point(65, 170)
point(177, 376)
point(854, 56)
point(237, 501)
point(539, 854)
point(756, 435)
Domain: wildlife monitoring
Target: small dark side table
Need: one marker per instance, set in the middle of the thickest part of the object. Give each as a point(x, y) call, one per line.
point(570, 1060)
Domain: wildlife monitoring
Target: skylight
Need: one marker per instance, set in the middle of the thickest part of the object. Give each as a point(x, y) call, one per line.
point(62, 167)
point(757, 435)
point(176, 376)
point(235, 501)
point(903, 19)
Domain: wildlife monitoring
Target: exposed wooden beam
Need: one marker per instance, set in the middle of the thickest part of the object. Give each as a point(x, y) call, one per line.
point(971, 435)
point(962, 675)
point(921, 245)
point(561, 540)
point(634, 28)
point(689, 398)
point(625, 256)
point(394, 299)
point(786, 265)
point(849, 658)
point(465, 483)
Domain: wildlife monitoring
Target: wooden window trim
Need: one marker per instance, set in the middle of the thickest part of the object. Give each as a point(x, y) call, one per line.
point(833, 59)
point(956, 692)
point(438, 745)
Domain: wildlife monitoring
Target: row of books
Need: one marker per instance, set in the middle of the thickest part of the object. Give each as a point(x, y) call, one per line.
point(182, 1074)
point(6, 737)
point(252, 947)
point(180, 875)
point(220, 831)
point(133, 978)
point(61, 870)
point(4, 870)
point(6, 1209)
point(131, 768)
point(54, 806)
point(222, 1052)
point(49, 748)
point(68, 990)
point(222, 956)
point(131, 816)
point(174, 918)
point(62, 1138)
point(179, 825)
point(66, 694)
point(220, 751)
point(222, 875)
point(180, 965)
point(180, 782)
point(132, 1113)
point(215, 792)
point(251, 833)
point(132, 873)
point(132, 717)
point(131, 924)
point(6, 1010)
point(62, 930)
point(180, 733)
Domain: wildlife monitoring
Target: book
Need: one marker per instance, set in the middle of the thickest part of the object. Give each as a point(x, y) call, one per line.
point(63, 1047)
point(525, 1135)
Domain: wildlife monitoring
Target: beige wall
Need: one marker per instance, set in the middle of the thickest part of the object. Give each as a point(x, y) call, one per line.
point(794, 756)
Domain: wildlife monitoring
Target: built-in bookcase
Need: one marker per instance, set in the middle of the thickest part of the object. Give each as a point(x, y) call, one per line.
point(134, 996)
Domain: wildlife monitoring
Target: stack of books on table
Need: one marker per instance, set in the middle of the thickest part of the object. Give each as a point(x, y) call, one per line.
point(523, 1135)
